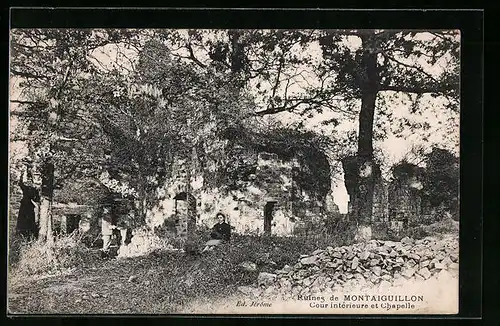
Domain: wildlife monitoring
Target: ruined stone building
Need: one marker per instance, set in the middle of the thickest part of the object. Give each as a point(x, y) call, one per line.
point(272, 196)
point(397, 203)
point(404, 204)
point(269, 201)
point(262, 183)
point(262, 186)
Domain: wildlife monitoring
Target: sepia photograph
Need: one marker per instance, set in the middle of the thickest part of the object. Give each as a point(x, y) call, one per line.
point(233, 171)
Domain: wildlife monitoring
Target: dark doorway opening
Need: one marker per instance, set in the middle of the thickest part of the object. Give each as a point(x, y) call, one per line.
point(268, 216)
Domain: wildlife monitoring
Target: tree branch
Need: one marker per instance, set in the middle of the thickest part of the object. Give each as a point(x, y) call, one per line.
point(421, 89)
point(192, 56)
point(280, 66)
point(27, 102)
point(27, 74)
point(65, 79)
point(419, 69)
point(66, 138)
point(441, 36)
point(278, 109)
point(299, 101)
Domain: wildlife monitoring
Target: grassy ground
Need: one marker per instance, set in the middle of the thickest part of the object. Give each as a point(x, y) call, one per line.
point(160, 283)
point(155, 284)
point(70, 278)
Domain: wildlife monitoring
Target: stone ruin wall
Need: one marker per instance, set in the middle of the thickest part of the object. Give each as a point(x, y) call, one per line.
point(244, 208)
point(398, 204)
point(380, 211)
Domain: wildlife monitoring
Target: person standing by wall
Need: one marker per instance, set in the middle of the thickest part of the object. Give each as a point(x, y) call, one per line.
point(125, 215)
point(106, 229)
point(27, 218)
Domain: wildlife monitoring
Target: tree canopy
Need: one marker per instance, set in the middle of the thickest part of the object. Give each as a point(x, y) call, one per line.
point(121, 104)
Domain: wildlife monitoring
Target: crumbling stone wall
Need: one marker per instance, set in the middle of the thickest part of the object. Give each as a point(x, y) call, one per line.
point(398, 203)
point(404, 204)
point(272, 183)
point(274, 180)
point(380, 211)
point(330, 205)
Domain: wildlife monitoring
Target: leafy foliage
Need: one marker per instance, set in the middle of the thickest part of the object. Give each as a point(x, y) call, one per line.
point(53, 70)
point(183, 90)
point(441, 183)
point(405, 171)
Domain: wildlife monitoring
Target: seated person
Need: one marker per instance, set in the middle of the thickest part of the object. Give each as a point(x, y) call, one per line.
point(221, 231)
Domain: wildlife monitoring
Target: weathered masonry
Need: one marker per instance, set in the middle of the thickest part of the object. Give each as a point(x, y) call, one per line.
point(269, 202)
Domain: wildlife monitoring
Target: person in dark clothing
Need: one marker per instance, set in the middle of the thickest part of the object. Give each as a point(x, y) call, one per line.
point(221, 230)
point(26, 220)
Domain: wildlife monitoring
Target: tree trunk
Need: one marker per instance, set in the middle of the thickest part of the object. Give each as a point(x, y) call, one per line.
point(142, 192)
point(350, 166)
point(45, 233)
point(363, 201)
point(47, 194)
point(190, 243)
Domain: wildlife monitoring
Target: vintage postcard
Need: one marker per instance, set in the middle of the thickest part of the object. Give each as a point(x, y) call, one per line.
point(216, 171)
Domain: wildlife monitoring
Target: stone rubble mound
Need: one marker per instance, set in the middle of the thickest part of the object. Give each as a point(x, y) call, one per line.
point(374, 264)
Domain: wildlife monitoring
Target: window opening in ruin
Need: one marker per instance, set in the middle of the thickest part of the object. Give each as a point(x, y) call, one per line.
point(268, 216)
point(67, 223)
point(72, 223)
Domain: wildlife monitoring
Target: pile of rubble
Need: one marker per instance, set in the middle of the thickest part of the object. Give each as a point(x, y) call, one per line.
point(374, 264)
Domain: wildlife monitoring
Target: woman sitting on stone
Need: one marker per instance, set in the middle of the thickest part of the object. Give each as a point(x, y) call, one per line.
point(221, 232)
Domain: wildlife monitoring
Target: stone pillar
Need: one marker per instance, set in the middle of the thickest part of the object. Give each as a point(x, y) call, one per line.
point(185, 210)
